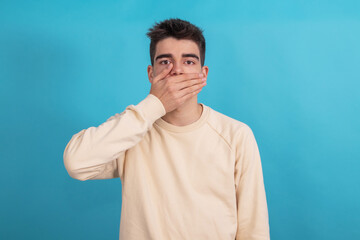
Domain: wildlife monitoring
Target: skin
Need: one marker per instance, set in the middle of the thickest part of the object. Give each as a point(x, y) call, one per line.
point(175, 79)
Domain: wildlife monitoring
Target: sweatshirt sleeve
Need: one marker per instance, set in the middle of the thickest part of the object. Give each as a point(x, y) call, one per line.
point(99, 152)
point(252, 212)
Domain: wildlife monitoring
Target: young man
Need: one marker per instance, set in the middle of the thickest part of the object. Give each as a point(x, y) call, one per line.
point(187, 171)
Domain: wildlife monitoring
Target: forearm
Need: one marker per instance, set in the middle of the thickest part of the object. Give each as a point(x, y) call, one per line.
point(93, 151)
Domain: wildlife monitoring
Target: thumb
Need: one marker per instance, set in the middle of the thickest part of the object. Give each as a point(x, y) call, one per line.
point(163, 73)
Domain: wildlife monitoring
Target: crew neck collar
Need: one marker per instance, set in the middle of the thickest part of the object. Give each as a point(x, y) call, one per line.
point(192, 126)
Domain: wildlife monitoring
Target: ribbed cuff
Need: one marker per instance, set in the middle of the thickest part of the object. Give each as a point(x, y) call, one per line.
point(152, 108)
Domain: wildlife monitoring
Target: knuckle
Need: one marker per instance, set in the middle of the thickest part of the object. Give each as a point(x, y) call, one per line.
point(167, 84)
point(171, 88)
point(173, 94)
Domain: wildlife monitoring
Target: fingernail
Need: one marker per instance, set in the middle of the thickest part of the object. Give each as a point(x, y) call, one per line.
point(203, 79)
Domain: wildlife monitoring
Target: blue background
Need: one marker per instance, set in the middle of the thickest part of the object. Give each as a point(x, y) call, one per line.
point(289, 69)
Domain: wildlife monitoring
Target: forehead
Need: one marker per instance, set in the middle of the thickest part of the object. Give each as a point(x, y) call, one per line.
point(176, 46)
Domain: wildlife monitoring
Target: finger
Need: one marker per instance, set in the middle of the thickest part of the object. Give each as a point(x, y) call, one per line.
point(185, 77)
point(163, 73)
point(189, 94)
point(189, 83)
point(194, 88)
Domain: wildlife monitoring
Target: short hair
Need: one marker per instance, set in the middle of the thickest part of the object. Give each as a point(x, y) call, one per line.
point(179, 29)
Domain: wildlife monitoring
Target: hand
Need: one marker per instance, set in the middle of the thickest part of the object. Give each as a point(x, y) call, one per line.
point(173, 91)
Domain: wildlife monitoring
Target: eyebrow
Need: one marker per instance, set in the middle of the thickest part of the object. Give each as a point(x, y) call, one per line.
point(168, 55)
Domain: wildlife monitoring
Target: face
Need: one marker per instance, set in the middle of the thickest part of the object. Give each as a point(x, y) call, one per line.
point(183, 54)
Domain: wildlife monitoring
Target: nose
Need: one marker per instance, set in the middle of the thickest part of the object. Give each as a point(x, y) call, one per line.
point(177, 69)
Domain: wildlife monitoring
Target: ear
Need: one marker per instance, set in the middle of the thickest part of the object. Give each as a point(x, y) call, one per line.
point(205, 70)
point(150, 73)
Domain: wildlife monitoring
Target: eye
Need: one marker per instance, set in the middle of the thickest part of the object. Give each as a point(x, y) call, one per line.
point(190, 62)
point(166, 62)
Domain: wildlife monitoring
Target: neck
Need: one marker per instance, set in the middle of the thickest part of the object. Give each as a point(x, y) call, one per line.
point(189, 112)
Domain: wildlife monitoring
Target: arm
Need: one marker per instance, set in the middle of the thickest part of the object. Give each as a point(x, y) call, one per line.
point(252, 212)
point(98, 152)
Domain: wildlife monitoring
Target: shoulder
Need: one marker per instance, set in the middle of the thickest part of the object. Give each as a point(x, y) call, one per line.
point(229, 128)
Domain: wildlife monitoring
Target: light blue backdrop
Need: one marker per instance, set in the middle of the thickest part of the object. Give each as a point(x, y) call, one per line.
point(289, 69)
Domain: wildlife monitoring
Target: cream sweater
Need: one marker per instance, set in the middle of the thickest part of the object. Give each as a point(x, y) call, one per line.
point(194, 182)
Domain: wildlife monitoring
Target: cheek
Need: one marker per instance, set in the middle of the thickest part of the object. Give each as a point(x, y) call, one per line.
point(158, 70)
point(192, 69)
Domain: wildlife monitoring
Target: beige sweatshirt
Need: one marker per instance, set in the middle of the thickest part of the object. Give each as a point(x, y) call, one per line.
point(194, 182)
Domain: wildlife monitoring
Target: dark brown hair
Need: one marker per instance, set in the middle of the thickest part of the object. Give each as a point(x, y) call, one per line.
point(179, 29)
